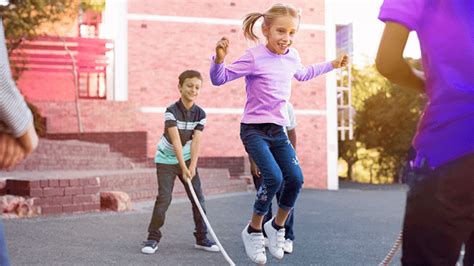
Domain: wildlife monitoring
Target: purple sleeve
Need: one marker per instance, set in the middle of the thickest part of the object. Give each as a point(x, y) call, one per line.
point(305, 73)
point(221, 74)
point(405, 12)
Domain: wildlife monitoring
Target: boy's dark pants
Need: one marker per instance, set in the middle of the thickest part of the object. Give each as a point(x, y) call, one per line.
point(166, 175)
point(439, 214)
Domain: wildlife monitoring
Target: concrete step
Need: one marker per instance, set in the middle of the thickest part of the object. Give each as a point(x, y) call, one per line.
point(74, 147)
point(43, 162)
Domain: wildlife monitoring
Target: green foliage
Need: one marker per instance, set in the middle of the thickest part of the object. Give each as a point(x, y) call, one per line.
point(93, 5)
point(385, 123)
point(22, 19)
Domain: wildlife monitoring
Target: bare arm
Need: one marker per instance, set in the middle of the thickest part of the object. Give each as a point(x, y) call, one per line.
point(292, 137)
point(195, 148)
point(390, 62)
point(178, 150)
point(254, 168)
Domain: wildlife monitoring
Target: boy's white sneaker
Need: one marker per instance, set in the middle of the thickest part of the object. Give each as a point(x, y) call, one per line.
point(276, 239)
point(207, 245)
point(254, 246)
point(288, 246)
point(150, 247)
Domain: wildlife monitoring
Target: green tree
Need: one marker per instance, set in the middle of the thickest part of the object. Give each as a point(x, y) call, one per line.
point(365, 83)
point(23, 19)
point(385, 123)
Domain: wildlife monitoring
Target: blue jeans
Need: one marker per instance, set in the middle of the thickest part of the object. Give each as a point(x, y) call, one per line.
point(257, 181)
point(3, 247)
point(276, 159)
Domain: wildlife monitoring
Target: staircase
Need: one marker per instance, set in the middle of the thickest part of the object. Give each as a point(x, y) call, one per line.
point(66, 176)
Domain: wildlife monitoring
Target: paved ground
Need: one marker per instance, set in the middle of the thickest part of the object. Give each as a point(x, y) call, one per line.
point(356, 225)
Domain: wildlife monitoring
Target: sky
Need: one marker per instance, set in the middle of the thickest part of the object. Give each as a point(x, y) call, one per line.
point(367, 29)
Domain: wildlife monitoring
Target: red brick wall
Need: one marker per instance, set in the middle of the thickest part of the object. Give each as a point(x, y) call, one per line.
point(179, 46)
point(39, 86)
point(159, 51)
point(96, 115)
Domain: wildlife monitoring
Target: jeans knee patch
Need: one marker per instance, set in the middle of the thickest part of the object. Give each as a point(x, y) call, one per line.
point(295, 160)
point(262, 193)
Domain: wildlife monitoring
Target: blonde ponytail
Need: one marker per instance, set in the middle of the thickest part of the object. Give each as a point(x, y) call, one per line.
point(268, 17)
point(249, 22)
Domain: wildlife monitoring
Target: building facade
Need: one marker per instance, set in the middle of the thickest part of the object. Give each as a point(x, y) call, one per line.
point(153, 42)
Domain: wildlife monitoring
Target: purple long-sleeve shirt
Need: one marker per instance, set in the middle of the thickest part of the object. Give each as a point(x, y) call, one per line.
point(268, 79)
point(446, 33)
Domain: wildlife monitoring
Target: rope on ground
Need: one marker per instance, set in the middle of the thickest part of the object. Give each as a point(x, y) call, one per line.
point(393, 250)
point(227, 258)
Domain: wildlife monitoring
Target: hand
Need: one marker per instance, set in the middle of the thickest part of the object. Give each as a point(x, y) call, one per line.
point(11, 152)
point(341, 61)
point(186, 174)
point(221, 50)
point(254, 169)
point(29, 140)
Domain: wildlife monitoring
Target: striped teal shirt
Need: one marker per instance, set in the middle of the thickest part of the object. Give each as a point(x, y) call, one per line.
point(186, 121)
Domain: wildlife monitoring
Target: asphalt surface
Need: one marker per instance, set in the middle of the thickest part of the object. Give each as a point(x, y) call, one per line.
point(356, 225)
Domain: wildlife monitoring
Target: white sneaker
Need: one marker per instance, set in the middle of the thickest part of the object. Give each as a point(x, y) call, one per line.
point(288, 246)
point(150, 247)
point(265, 240)
point(207, 245)
point(254, 246)
point(276, 239)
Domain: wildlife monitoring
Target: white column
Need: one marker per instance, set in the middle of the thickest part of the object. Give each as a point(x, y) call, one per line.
point(331, 100)
point(116, 28)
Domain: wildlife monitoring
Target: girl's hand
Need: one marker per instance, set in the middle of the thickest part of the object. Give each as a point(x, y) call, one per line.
point(341, 61)
point(221, 50)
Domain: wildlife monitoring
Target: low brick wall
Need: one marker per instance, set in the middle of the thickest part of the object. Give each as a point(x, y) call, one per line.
point(56, 196)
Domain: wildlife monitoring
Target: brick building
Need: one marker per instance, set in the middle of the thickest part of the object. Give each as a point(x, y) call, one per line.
point(153, 41)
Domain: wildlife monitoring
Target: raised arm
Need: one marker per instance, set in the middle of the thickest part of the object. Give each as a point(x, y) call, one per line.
point(221, 74)
point(390, 62)
point(309, 72)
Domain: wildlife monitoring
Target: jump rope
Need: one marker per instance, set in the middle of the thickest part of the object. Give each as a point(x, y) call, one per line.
point(206, 221)
point(384, 262)
point(393, 250)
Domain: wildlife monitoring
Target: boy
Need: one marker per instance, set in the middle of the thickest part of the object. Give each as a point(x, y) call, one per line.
point(177, 155)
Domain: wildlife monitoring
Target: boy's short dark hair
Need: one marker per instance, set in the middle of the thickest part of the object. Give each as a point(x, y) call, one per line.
point(189, 74)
